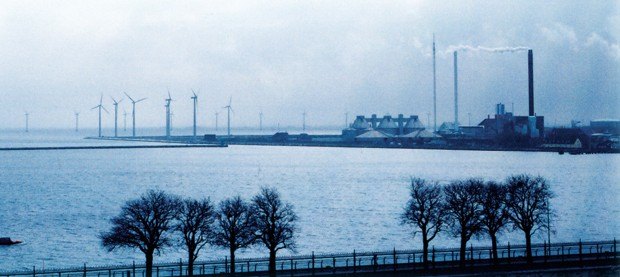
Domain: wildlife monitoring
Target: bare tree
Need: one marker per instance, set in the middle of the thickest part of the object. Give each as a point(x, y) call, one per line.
point(235, 228)
point(464, 211)
point(528, 206)
point(195, 223)
point(424, 211)
point(143, 223)
point(276, 223)
point(494, 212)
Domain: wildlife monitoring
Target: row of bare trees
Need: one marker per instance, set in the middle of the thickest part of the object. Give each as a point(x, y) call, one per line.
point(463, 208)
point(157, 220)
point(473, 207)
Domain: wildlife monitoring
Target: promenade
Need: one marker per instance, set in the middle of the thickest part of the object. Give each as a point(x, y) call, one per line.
point(598, 257)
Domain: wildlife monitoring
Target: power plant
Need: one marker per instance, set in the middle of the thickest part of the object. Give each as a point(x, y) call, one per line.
point(504, 130)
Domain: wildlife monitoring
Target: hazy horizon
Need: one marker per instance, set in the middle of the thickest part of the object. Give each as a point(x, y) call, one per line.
point(322, 57)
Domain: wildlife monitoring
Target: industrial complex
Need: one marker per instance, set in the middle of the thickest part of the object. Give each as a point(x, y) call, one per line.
point(502, 131)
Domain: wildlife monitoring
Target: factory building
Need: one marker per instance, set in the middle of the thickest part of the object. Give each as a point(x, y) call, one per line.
point(606, 126)
point(387, 129)
point(506, 125)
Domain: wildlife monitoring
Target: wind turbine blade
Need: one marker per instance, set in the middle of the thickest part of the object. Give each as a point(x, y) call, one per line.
point(140, 100)
point(113, 100)
point(94, 107)
point(101, 99)
point(129, 97)
point(106, 111)
point(119, 101)
point(229, 101)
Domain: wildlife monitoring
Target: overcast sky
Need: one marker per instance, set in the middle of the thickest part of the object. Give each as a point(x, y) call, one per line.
point(284, 57)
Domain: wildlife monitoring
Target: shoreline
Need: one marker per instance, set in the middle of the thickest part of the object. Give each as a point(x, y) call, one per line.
point(336, 141)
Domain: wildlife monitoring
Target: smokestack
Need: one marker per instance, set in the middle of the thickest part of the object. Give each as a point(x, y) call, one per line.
point(456, 94)
point(434, 89)
point(530, 71)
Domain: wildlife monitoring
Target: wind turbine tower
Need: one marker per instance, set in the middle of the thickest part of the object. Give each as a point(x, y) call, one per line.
point(229, 109)
point(133, 113)
point(115, 103)
point(27, 117)
point(168, 100)
point(100, 107)
point(194, 99)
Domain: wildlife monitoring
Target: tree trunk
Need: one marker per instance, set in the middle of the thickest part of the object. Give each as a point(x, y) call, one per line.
point(494, 246)
point(463, 250)
point(272, 262)
point(425, 249)
point(232, 261)
point(149, 263)
point(528, 246)
point(190, 264)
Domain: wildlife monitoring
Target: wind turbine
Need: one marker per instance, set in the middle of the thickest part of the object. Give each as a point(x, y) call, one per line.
point(133, 113)
point(100, 106)
point(229, 109)
point(115, 103)
point(27, 115)
point(77, 120)
point(168, 100)
point(346, 119)
point(216, 114)
point(195, 99)
point(260, 121)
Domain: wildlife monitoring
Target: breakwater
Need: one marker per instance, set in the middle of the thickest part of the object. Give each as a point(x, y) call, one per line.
point(109, 147)
point(337, 141)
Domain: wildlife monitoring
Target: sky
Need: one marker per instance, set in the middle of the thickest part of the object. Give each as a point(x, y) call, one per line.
point(327, 58)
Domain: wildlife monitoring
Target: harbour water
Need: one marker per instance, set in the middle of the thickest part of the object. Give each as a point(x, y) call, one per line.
point(58, 202)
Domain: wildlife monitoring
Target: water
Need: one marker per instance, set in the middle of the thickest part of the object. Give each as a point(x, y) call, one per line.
point(59, 201)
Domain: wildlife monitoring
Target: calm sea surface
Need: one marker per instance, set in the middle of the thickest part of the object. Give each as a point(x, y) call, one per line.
point(58, 202)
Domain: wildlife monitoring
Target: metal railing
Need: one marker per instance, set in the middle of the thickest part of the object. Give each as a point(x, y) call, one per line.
point(350, 262)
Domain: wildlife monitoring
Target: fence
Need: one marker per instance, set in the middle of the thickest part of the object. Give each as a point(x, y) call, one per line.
point(352, 262)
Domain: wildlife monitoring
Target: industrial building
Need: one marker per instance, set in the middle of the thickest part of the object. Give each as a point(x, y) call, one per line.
point(509, 129)
point(505, 124)
point(387, 129)
point(606, 126)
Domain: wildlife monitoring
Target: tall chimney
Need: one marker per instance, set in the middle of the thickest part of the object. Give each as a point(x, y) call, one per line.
point(456, 94)
point(434, 89)
point(530, 71)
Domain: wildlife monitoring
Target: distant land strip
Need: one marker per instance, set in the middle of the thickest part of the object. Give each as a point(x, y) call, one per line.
point(111, 147)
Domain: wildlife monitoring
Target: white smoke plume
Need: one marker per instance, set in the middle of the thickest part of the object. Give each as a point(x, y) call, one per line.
point(462, 48)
